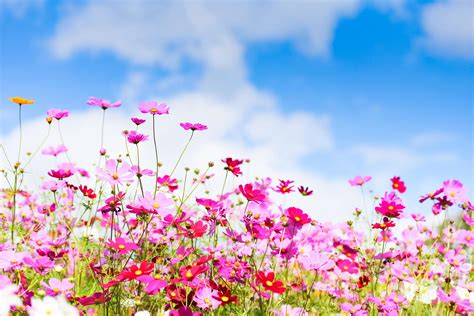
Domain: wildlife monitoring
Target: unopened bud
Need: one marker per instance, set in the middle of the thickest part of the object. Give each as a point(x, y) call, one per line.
point(49, 120)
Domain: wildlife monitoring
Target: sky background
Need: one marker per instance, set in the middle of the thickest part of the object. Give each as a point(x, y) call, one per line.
point(313, 91)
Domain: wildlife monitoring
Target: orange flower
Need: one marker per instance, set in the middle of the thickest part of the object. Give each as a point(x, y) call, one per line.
point(20, 100)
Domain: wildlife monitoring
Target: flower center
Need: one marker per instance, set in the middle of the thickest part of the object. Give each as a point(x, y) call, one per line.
point(269, 283)
point(156, 205)
point(395, 185)
point(207, 301)
point(189, 274)
point(360, 182)
point(115, 176)
point(56, 290)
point(346, 268)
point(224, 298)
point(121, 247)
point(153, 110)
point(453, 194)
point(138, 272)
point(390, 207)
point(297, 218)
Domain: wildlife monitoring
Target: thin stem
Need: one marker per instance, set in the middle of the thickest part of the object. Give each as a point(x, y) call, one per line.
point(39, 147)
point(102, 130)
point(21, 133)
point(156, 158)
point(223, 185)
point(182, 153)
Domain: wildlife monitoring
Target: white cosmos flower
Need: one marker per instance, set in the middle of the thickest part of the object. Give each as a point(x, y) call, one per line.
point(142, 313)
point(8, 298)
point(52, 306)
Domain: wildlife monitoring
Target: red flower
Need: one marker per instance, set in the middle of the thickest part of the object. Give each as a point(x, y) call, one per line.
point(297, 216)
point(188, 273)
point(251, 194)
point(285, 186)
point(398, 184)
point(135, 271)
point(233, 166)
point(269, 283)
point(305, 191)
point(225, 297)
point(193, 230)
point(385, 225)
point(87, 192)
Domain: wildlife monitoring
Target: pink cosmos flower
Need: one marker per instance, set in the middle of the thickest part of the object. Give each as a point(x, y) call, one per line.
point(57, 113)
point(355, 310)
point(454, 191)
point(104, 104)
point(193, 127)
point(137, 121)
point(54, 151)
point(53, 186)
point(134, 138)
point(251, 194)
point(153, 283)
point(297, 216)
point(153, 108)
point(287, 310)
point(166, 181)
point(122, 246)
point(114, 173)
point(359, 180)
point(285, 186)
point(390, 206)
point(205, 300)
point(348, 266)
point(56, 287)
point(141, 172)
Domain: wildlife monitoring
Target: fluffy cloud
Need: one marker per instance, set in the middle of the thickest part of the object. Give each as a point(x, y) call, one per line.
point(449, 28)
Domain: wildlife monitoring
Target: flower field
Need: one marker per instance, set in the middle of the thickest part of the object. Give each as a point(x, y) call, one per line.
point(103, 241)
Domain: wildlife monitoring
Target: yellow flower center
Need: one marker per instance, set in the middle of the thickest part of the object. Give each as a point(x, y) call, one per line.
point(360, 182)
point(297, 218)
point(269, 283)
point(189, 274)
point(346, 268)
point(453, 194)
point(224, 298)
point(153, 110)
point(156, 205)
point(115, 176)
point(390, 207)
point(395, 185)
point(138, 272)
point(121, 247)
point(56, 290)
point(207, 301)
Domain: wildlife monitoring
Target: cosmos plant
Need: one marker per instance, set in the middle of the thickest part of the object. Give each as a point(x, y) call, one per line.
point(100, 240)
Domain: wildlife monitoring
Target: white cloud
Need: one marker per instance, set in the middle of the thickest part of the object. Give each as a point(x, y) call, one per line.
point(449, 28)
point(431, 138)
point(206, 32)
point(230, 134)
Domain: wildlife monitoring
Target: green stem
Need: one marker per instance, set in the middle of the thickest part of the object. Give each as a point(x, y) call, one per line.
point(182, 153)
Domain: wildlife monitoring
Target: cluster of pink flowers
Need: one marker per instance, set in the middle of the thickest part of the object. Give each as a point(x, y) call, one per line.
point(106, 243)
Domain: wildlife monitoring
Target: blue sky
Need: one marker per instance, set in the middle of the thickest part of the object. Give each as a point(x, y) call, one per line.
point(382, 73)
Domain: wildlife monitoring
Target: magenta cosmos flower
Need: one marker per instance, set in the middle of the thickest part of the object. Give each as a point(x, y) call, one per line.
point(359, 180)
point(137, 121)
point(134, 138)
point(153, 108)
point(57, 113)
point(347, 266)
point(104, 104)
point(193, 127)
point(122, 246)
point(251, 194)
